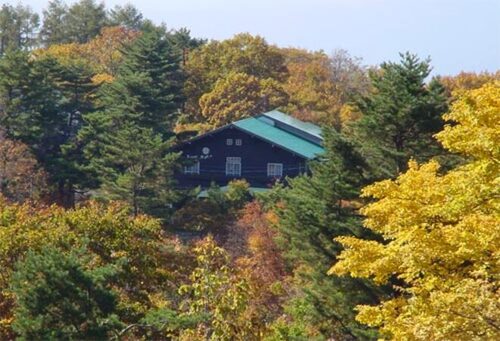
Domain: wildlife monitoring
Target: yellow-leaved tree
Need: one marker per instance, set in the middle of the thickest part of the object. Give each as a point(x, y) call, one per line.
point(109, 235)
point(240, 95)
point(441, 249)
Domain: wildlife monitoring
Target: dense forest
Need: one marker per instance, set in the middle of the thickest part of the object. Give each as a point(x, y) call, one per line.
point(394, 233)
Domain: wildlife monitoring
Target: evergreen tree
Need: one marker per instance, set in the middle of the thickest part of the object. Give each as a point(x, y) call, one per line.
point(57, 298)
point(18, 26)
point(312, 211)
point(127, 16)
point(440, 235)
point(136, 167)
point(183, 41)
point(127, 140)
point(149, 83)
point(85, 20)
point(400, 115)
point(54, 27)
point(43, 103)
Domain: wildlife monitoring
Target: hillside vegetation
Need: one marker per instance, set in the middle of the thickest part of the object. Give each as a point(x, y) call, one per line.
point(393, 234)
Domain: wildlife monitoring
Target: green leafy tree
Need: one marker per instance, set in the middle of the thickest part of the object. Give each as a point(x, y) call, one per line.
point(312, 211)
point(54, 27)
point(58, 298)
point(215, 291)
point(126, 141)
point(400, 116)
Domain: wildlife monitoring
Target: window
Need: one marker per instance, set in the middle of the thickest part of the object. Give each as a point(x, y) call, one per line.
point(275, 170)
point(238, 142)
point(192, 168)
point(233, 166)
point(229, 142)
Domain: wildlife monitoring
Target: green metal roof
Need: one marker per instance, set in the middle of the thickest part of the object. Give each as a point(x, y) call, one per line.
point(307, 127)
point(279, 137)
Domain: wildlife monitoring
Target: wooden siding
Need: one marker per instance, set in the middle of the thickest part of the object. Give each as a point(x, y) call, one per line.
point(255, 155)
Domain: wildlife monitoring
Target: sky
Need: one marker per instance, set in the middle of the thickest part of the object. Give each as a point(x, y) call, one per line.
point(458, 35)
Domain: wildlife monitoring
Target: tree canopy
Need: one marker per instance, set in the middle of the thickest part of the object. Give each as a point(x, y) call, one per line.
point(400, 116)
point(441, 235)
point(391, 233)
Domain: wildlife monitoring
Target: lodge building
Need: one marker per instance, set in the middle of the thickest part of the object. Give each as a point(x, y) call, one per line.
point(261, 149)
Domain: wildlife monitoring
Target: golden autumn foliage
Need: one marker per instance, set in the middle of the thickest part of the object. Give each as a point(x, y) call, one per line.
point(65, 54)
point(109, 234)
point(468, 80)
point(240, 95)
point(104, 50)
point(244, 59)
point(216, 291)
point(263, 263)
point(101, 54)
point(310, 86)
point(319, 86)
point(442, 235)
point(244, 75)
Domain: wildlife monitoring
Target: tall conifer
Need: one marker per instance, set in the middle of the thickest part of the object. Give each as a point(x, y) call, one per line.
point(400, 115)
point(43, 103)
point(127, 141)
point(313, 210)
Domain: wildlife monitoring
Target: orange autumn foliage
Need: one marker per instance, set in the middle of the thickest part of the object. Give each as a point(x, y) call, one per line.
point(21, 178)
point(260, 261)
point(467, 81)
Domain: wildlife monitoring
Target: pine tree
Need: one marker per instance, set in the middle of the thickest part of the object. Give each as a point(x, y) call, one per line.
point(43, 103)
point(149, 83)
point(54, 27)
point(400, 115)
point(137, 168)
point(312, 211)
point(440, 235)
point(127, 141)
point(126, 16)
point(57, 298)
point(85, 20)
point(17, 27)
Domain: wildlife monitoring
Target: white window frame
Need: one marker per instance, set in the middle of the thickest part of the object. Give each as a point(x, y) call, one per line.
point(275, 170)
point(233, 166)
point(229, 142)
point(238, 142)
point(193, 168)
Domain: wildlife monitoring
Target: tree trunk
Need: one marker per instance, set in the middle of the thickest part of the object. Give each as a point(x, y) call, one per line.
point(401, 162)
point(65, 195)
